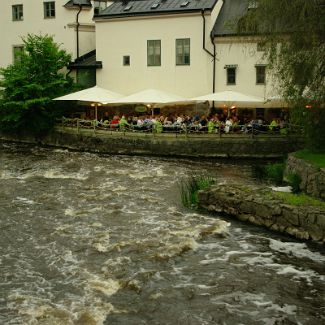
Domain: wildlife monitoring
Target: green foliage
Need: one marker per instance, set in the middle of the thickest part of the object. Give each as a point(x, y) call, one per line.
point(299, 199)
point(30, 84)
point(294, 180)
point(270, 172)
point(274, 172)
point(317, 159)
point(190, 187)
point(293, 35)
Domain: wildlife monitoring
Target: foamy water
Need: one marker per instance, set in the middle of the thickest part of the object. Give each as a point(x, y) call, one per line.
point(88, 239)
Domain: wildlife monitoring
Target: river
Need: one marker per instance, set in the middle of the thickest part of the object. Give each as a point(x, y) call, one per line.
point(91, 239)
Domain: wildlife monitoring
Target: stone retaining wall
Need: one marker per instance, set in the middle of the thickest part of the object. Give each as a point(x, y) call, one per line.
point(192, 145)
point(260, 206)
point(312, 178)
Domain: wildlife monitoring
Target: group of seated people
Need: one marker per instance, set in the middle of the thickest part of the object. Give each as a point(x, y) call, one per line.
point(213, 124)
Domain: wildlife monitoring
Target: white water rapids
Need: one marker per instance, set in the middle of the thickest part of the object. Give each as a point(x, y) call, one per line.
point(92, 239)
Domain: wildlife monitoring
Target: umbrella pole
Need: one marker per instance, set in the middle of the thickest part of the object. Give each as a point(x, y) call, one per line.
point(96, 111)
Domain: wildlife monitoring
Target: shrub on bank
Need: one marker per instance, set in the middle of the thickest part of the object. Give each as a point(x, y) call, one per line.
point(189, 189)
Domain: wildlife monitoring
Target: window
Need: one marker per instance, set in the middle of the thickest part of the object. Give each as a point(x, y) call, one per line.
point(185, 4)
point(231, 75)
point(49, 9)
point(99, 6)
point(154, 53)
point(260, 74)
point(126, 60)
point(17, 51)
point(183, 51)
point(17, 12)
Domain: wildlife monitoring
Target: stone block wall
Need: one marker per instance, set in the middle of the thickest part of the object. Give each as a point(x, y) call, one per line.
point(258, 205)
point(192, 145)
point(312, 178)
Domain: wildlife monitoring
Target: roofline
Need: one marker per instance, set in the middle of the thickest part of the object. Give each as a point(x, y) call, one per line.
point(149, 14)
point(80, 66)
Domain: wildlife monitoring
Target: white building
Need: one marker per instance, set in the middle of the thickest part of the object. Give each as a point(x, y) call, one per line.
point(188, 47)
point(70, 22)
point(182, 46)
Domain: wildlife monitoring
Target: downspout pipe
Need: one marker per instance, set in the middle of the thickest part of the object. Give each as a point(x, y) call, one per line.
point(204, 48)
point(214, 62)
point(213, 55)
point(77, 29)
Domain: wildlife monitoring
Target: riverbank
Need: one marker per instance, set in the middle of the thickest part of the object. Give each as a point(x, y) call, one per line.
point(311, 173)
point(173, 144)
point(304, 219)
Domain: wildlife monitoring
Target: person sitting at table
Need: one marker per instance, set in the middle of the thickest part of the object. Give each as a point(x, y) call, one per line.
point(105, 118)
point(158, 126)
point(228, 125)
point(123, 123)
point(168, 120)
point(274, 125)
point(211, 126)
point(115, 122)
point(140, 122)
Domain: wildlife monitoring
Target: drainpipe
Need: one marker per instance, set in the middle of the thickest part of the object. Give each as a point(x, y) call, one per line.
point(77, 29)
point(213, 55)
point(214, 62)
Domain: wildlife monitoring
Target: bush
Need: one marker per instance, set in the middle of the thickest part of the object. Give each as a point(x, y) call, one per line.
point(190, 187)
point(294, 180)
point(274, 172)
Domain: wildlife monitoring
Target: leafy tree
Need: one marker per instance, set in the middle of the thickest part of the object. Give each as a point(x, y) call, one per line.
point(30, 83)
point(293, 35)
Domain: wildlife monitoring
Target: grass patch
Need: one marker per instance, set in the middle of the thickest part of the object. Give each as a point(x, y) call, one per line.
point(299, 199)
point(190, 187)
point(271, 172)
point(317, 159)
point(274, 172)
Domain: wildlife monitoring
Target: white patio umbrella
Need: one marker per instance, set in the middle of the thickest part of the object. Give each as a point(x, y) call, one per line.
point(275, 101)
point(151, 97)
point(230, 98)
point(95, 95)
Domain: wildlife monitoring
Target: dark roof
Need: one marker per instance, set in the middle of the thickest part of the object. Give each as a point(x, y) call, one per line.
point(230, 11)
point(124, 8)
point(86, 61)
point(73, 3)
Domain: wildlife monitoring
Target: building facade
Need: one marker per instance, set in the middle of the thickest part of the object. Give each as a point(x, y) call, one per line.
point(186, 47)
point(69, 22)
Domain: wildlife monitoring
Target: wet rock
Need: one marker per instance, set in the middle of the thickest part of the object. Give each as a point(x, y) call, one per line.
point(290, 214)
point(312, 178)
point(315, 232)
point(86, 319)
point(260, 206)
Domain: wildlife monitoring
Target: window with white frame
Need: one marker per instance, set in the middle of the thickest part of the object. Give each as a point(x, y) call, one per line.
point(17, 12)
point(49, 9)
point(17, 50)
point(183, 51)
point(153, 53)
point(260, 74)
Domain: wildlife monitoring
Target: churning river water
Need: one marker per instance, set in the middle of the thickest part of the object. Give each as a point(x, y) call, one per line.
point(91, 239)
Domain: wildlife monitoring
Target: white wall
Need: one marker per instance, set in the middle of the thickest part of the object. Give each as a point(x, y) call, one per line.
point(34, 22)
point(242, 52)
point(119, 37)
